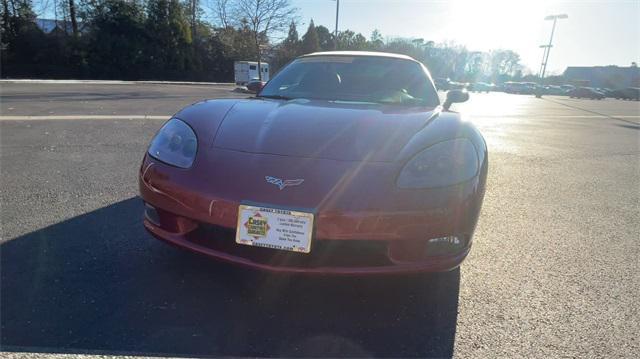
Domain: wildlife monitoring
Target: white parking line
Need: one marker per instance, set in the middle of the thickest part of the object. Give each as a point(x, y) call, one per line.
point(85, 117)
point(593, 116)
point(552, 116)
point(108, 82)
point(166, 117)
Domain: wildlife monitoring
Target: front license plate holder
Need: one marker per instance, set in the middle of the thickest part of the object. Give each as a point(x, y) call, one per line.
point(276, 228)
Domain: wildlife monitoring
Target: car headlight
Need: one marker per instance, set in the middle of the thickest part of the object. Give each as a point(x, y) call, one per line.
point(175, 144)
point(443, 164)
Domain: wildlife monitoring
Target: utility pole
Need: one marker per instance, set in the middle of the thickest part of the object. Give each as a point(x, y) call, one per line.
point(547, 49)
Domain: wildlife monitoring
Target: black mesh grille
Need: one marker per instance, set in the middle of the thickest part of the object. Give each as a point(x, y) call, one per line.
point(324, 253)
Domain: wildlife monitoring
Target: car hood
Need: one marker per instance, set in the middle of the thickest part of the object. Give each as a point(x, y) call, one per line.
point(320, 129)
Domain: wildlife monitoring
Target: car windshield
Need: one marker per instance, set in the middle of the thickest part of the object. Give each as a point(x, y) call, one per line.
point(366, 79)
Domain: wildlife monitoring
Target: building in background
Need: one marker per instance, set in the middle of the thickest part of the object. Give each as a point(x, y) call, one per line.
point(603, 76)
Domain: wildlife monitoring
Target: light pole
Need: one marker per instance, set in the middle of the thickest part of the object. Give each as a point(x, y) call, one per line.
point(335, 34)
point(544, 54)
point(547, 48)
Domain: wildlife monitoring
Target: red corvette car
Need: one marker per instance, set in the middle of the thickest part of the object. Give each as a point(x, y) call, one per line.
point(343, 163)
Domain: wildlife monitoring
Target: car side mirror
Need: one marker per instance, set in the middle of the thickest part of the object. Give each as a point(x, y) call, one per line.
point(255, 86)
point(455, 96)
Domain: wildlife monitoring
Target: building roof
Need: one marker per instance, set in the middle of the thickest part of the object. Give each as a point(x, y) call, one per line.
point(605, 76)
point(610, 68)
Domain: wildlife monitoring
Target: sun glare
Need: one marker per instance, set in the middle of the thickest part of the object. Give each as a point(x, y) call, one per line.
point(515, 24)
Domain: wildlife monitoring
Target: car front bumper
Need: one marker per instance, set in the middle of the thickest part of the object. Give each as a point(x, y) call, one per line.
point(346, 240)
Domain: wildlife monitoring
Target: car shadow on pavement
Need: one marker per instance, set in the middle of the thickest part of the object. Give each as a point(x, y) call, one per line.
point(99, 283)
point(633, 127)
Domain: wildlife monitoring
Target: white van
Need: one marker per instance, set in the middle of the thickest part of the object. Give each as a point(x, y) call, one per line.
point(247, 71)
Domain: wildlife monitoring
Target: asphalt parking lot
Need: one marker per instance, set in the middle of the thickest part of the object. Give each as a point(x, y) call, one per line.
point(553, 272)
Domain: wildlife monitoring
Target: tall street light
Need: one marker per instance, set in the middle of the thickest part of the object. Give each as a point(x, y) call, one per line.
point(335, 34)
point(544, 54)
point(547, 48)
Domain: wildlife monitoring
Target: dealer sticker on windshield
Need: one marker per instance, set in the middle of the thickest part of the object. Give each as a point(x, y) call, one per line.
point(274, 228)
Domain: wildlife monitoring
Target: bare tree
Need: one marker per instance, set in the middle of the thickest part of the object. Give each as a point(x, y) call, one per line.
point(264, 17)
point(221, 10)
point(194, 9)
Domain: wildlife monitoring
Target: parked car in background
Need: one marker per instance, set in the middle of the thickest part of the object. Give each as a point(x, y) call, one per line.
point(629, 93)
point(482, 87)
point(458, 85)
point(567, 87)
point(255, 86)
point(554, 90)
point(442, 84)
point(511, 87)
point(607, 92)
point(585, 92)
point(526, 88)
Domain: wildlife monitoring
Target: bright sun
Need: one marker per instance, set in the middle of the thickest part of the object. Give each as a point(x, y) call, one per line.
point(490, 24)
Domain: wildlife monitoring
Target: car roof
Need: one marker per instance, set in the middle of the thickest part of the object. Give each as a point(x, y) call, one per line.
point(361, 53)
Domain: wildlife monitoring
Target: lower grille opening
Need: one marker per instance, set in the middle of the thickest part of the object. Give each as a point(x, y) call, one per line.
point(324, 253)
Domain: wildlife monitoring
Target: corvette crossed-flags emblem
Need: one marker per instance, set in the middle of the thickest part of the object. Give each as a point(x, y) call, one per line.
point(283, 183)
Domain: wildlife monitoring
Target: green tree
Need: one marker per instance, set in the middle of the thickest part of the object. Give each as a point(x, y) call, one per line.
point(165, 39)
point(22, 40)
point(310, 41)
point(117, 40)
point(376, 42)
point(291, 44)
point(288, 49)
point(504, 64)
point(325, 38)
point(231, 44)
point(474, 70)
point(349, 40)
point(169, 37)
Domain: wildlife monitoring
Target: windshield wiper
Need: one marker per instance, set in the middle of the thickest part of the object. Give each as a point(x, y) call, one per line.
point(276, 97)
point(354, 102)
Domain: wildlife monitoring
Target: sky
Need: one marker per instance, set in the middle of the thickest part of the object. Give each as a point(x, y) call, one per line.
point(605, 32)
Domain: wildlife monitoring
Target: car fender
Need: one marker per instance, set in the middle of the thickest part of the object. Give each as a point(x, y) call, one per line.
point(205, 118)
point(442, 127)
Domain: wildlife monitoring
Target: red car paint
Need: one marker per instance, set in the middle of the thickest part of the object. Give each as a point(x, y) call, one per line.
point(349, 157)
